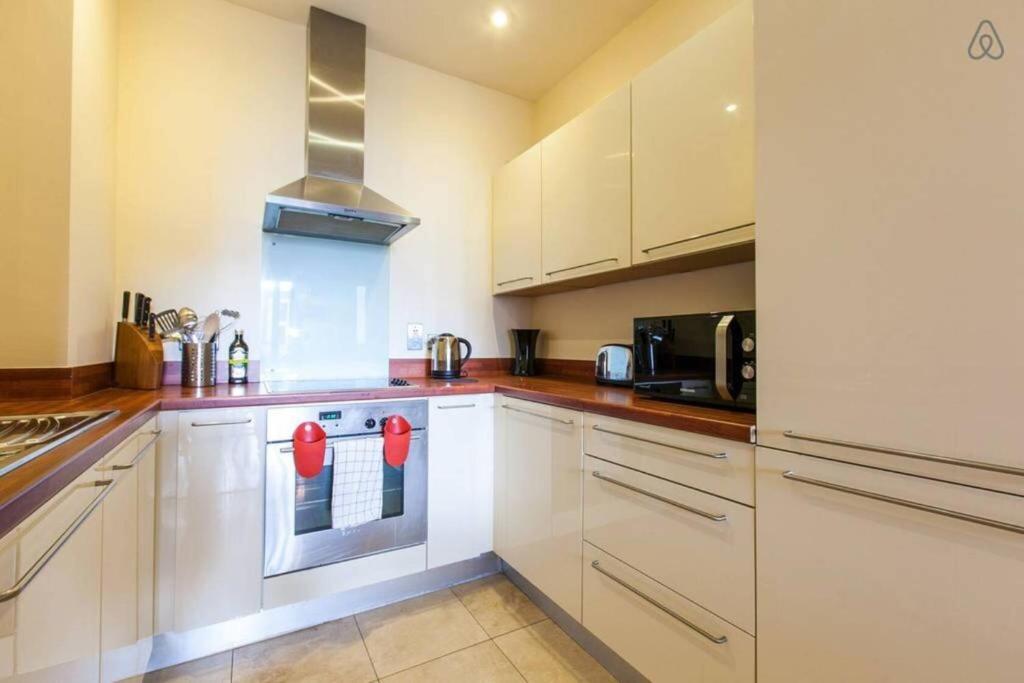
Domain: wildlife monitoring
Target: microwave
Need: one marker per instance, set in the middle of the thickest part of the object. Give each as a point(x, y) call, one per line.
point(706, 359)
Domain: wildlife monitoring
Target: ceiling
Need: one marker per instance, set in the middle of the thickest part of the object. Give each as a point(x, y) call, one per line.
point(544, 39)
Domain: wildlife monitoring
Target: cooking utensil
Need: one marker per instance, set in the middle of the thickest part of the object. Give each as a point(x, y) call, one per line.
point(139, 300)
point(189, 320)
point(228, 313)
point(147, 303)
point(211, 326)
point(167, 321)
point(126, 302)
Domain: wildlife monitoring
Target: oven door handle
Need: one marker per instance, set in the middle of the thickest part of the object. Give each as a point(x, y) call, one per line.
point(290, 449)
point(722, 357)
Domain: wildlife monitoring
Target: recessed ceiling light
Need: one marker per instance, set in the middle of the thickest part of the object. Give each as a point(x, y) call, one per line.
point(731, 107)
point(499, 18)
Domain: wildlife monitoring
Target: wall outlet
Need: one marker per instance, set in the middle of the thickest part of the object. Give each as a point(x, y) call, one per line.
point(414, 337)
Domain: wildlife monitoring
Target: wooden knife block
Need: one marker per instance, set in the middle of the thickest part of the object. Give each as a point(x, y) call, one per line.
point(138, 360)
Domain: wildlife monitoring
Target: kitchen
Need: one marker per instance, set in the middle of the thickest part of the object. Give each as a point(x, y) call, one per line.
point(412, 485)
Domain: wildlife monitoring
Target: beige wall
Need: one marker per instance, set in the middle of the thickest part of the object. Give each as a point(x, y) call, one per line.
point(35, 50)
point(211, 117)
point(91, 299)
point(576, 323)
point(654, 33)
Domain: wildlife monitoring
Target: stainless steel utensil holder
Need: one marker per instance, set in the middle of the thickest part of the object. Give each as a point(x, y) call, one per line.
point(198, 364)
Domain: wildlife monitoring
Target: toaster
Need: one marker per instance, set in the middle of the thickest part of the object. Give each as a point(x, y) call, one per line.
point(614, 365)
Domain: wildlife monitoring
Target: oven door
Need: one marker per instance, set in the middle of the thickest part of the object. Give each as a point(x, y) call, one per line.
point(298, 532)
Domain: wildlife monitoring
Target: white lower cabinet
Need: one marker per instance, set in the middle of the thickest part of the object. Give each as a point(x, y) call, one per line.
point(218, 550)
point(660, 633)
point(460, 478)
point(541, 478)
point(857, 584)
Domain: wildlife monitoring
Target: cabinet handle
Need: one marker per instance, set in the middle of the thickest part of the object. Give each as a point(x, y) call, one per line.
point(707, 515)
point(518, 279)
point(695, 237)
point(582, 265)
point(22, 583)
point(456, 406)
point(225, 423)
point(530, 412)
point(717, 640)
point(706, 454)
point(913, 505)
point(917, 455)
point(142, 452)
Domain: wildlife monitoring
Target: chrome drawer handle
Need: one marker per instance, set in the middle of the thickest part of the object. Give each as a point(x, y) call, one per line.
point(717, 640)
point(582, 265)
point(958, 462)
point(457, 406)
point(518, 279)
point(706, 454)
point(707, 515)
point(953, 514)
point(140, 454)
point(530, 412)
point(226, 423)
point(695, 237)
point(22, 583)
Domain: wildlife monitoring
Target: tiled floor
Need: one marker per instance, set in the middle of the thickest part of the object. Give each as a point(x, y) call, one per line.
point(482, 631)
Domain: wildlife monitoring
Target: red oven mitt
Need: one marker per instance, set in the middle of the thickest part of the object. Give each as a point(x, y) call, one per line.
point(309, 443)
point(397, 435)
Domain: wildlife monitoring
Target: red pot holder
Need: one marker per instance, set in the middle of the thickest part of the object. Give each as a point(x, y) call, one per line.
point(397, 435)
point(309, 443)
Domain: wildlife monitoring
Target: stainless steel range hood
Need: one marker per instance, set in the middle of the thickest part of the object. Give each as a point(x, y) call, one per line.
point(331, 201)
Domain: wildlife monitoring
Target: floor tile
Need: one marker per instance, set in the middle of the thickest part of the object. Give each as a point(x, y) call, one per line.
point(415, 631)
point(330, 652)
point(212, 669)
point(483, 663)
point(498, 604)
point(543, 653)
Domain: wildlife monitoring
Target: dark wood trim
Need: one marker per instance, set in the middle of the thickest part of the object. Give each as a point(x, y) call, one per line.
point(410, 368)
point(565, 367)
point(172, 372)
point(55, 383)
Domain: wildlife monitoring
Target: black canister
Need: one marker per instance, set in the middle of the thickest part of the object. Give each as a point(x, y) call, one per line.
point(524, 359)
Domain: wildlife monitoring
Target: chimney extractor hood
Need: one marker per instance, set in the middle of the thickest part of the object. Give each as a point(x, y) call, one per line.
point(331, 201)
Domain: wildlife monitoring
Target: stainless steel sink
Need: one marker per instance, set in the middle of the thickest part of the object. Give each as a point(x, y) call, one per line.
point(25, 437)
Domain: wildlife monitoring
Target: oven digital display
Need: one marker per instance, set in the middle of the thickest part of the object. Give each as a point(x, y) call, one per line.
point(330, 415)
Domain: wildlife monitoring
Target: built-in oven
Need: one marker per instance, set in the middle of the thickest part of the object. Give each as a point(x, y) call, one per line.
point(299, 533)
point(706, 358)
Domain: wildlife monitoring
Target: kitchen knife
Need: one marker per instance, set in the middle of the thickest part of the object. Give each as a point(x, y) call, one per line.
point(139, 298)
point(126, 301)
point(146, 303)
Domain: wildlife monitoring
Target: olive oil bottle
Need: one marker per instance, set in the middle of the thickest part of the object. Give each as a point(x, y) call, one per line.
point(238, 359)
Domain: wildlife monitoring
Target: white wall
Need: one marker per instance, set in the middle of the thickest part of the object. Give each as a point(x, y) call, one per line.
point(211, 118)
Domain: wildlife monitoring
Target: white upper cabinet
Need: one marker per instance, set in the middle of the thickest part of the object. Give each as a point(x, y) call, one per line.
point(586, 191)
point(517, 223)
point(889, 240)
point(693, 143)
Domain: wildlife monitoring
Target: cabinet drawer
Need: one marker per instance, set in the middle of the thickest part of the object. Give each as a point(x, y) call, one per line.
point(128, 452)
point(660, 633)
point(699, 545)
point(719, 466)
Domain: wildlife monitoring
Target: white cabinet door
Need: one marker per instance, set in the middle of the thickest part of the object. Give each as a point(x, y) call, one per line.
point(693, 143)
point(543, 498)
point(460, 478)
point(219, 534)
point(888, 260)
point(51, 630)
point(586, 192)
point(516, 223)
point(854, 586)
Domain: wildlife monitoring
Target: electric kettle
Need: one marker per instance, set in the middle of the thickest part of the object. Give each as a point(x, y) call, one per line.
point(446, 356)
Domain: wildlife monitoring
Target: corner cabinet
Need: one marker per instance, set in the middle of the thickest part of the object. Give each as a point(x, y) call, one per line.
point(539, 505)
point(516, 234)
point(218, 551)
point(460, 478)
point(693, 143)
point(585, 181)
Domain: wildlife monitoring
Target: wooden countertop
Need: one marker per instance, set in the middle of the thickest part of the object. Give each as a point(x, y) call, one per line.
point(23, 490)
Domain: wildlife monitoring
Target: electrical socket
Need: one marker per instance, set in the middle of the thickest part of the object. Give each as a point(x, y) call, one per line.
point(414, 337)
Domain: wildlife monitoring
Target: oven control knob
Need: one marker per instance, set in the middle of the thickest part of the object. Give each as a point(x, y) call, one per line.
point(370, 423)
point(748, 371)
point(747, 344)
